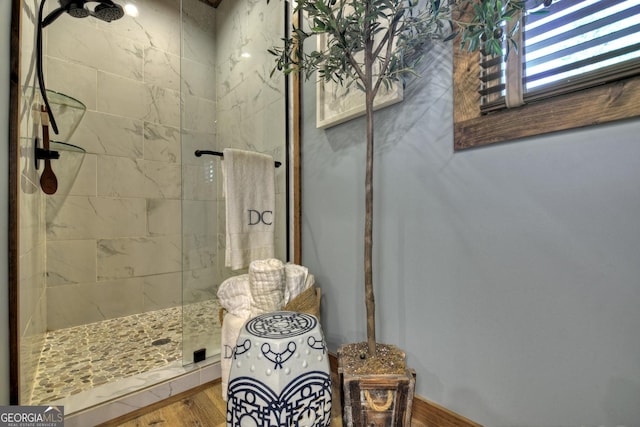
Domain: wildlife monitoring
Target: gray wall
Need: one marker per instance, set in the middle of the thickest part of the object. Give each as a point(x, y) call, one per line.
point(509, 274)
point(5, 24)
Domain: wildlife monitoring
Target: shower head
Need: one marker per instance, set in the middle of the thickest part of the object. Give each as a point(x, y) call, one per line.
point(77, 10)
point(106, 10)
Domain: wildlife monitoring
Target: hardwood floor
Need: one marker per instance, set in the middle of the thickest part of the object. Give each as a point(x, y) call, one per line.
point(203, 407)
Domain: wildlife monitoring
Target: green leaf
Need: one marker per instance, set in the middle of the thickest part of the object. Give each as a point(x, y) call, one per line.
point(451, 36)
point(494, 47)
point(349, 24)
point(322, 7)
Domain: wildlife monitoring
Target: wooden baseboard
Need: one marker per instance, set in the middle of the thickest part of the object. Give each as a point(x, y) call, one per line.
point(434, 415)
point(428, 413)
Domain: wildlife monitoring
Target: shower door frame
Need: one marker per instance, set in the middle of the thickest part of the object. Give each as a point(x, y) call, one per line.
point(14, 143)
point(294, 189)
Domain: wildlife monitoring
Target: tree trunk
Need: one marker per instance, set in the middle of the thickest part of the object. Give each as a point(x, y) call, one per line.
point(368, 222)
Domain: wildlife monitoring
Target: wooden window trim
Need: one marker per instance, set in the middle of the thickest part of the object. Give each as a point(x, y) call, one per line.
point(602, 104)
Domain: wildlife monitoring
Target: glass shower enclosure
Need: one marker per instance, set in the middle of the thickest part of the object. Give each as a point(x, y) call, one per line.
point(229, 100)
point(118, 271)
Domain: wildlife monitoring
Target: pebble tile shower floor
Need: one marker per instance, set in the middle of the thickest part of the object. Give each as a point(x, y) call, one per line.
point(80, 358)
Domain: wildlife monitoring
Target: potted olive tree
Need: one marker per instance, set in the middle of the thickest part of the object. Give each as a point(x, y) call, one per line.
point(373, 44)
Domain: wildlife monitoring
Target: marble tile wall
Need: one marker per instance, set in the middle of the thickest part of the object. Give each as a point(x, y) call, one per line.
point(114, 242)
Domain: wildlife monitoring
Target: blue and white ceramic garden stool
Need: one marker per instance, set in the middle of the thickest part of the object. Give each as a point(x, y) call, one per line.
point(280, 373)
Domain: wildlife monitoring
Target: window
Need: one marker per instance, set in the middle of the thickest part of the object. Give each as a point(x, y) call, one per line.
point(578, 65)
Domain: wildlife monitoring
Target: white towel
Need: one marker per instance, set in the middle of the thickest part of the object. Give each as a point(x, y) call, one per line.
point(296, 281)
point(249, 188)
point(234, 295)
point(267, 283)
point(231, 326)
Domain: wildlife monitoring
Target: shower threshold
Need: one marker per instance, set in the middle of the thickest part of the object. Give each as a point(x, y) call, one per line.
point(118, 398)
point(100, 361)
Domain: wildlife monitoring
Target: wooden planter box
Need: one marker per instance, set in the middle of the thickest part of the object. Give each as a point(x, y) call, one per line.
point(376, 400)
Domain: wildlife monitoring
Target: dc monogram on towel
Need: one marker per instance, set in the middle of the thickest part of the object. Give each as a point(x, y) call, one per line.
point(257, 217)
point(249, 189)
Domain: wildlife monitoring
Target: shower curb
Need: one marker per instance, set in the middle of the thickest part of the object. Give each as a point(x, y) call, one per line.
point(163, 384)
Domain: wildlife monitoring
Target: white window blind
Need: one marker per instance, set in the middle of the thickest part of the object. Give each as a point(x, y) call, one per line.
point(568, 46)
